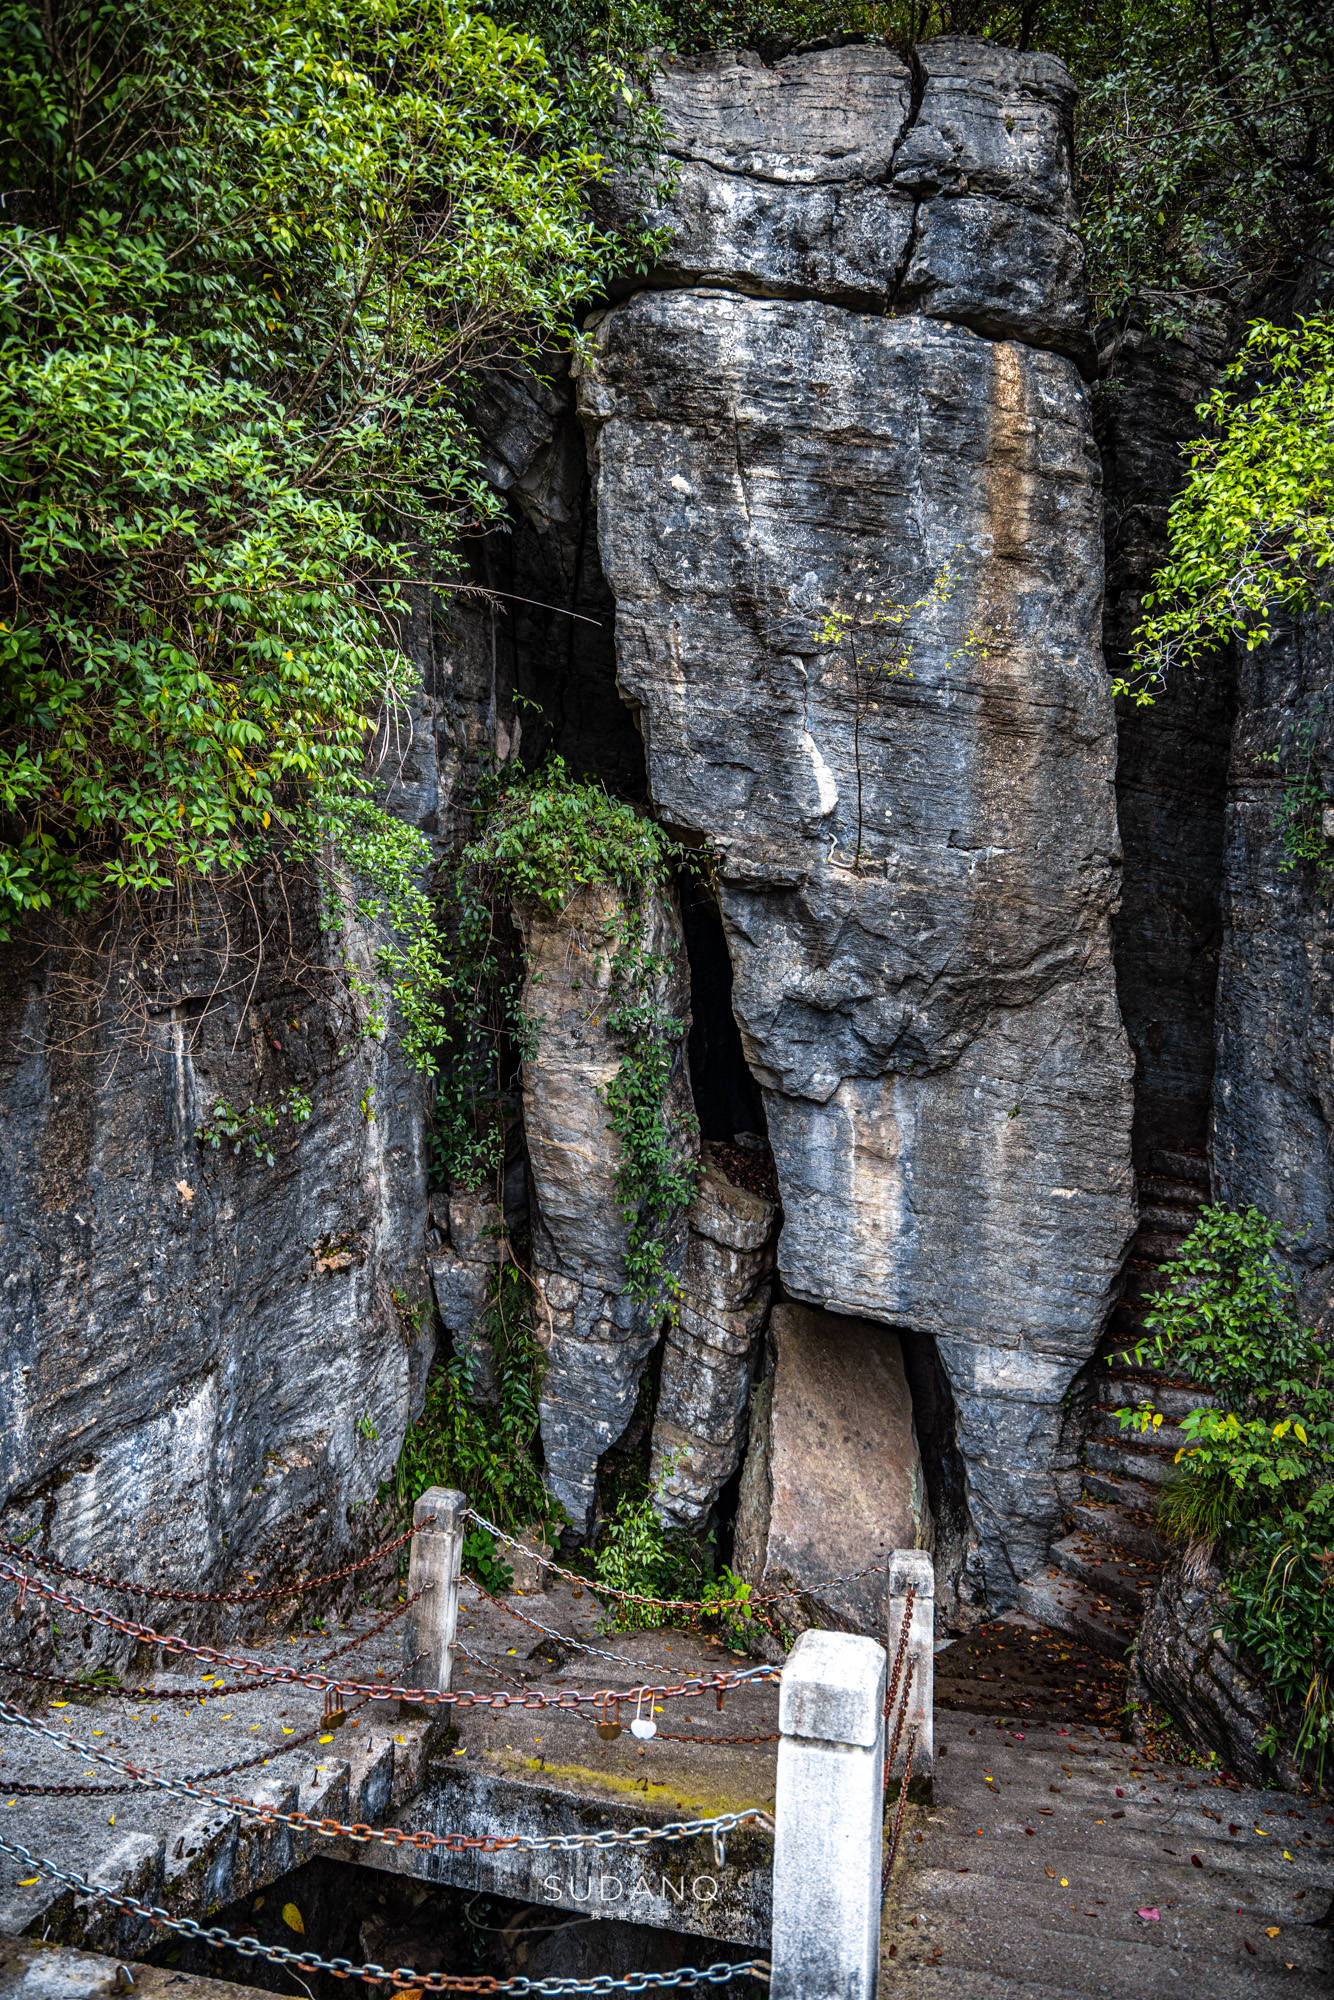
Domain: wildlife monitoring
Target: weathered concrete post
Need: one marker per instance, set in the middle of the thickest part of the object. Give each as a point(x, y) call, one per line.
point(828, 1815)
point(436, 1562)
point(912, 1569)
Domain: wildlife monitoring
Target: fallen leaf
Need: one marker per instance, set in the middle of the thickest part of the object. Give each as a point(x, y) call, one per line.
point(1249, 1946)
point(30, 1882)
point(293, 1919)
point(1064, 1883)
point(324, 1739)
point(1272, 1930)
point(1195, 1861)
point(1051, 1874)
point(185, 1191)
point(1149, 1916)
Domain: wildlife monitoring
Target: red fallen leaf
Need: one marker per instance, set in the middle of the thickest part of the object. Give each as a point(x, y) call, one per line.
point(1234, 1829)
point(1249, 1946)
point(1119, 1793)
point(1196, 1861)
point(1149, 1916)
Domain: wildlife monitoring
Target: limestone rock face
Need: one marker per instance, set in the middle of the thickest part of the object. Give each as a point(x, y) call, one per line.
point(597, 1337)
point(918, 850)
point(1273, 1103)
point(819, 178)
point(833, 1479)
point(699, 1429)
point(204, 1372)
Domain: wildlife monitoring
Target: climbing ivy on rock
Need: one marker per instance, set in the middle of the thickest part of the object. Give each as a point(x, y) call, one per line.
point(541, 837)
point(1255, 1476)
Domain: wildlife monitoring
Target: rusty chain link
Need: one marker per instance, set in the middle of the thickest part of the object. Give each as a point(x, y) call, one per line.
point(202, 1694)
point(400, 1975)
point(899, 1810)
point(392, 1836)
point(567, 1698)
point(24, 1554)
point(669, 1603)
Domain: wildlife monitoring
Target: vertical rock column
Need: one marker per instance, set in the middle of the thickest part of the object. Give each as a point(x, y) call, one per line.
point(597, 1337)
point(917, 867)
point(699, 1430)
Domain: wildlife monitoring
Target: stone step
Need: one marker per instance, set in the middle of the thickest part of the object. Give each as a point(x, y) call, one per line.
point(1173, 1192)
point(1063, 1604)
point(1126, 1459)
point(1107, 1427)
point(1165, 1218)
point(1135, 1386)
point(1124, 1580)
point(1192, 1168)
point(1125, 1530)
point(1135, 1495)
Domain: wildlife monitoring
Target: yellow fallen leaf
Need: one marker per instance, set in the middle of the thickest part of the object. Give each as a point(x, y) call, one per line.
point(1286, 1855)
point(60, 1704)
point(111, 1819)
point(225, 1718)
point(293, 1919)
point(1064, 1883)
point(326, 1739)
point(30, 1882)
point(1272, 1931)
point(409, 1993)
point(286, 1731)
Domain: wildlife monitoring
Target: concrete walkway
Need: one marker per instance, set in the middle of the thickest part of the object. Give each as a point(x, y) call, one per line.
point(1058, 1864)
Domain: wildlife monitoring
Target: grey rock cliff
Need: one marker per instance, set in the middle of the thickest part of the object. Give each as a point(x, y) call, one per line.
point(204, 1370)
point(841, 176)
point(917, 869)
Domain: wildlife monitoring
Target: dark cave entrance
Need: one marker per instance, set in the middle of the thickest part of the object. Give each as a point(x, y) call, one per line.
point(727, 1097)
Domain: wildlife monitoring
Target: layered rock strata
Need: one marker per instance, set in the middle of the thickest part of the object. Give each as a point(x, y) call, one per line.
point(711, 1349)
point(597, 1337)
point(833, 1479)
point(205, 1373)
point(857, 567)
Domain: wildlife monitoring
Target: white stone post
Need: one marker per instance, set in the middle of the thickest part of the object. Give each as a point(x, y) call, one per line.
point(828, 1819)
point(434, 1569)
point(912, 1569)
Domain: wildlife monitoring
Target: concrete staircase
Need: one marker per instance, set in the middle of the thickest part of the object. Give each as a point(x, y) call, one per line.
point(1103, 1569)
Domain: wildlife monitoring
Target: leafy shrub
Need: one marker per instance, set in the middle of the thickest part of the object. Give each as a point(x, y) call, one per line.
point(636, 1552)
point(1251, 530)
point(260, 254)
point(1256, 1477)
point(252, 1128)
point(489, 1452)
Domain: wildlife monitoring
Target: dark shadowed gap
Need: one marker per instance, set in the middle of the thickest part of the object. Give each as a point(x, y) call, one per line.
point(942, 1463)
point(727, 1096)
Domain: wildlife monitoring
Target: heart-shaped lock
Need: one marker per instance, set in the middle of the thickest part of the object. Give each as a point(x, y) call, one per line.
point(643, 1725)
point(609, 1728)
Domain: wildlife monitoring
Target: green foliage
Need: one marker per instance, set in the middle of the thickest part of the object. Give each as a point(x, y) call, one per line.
point(1252, 530)
point(541, 837)
point(488, 1451)
point(1300, 818)
point(636, 1552)
point(1256, 1474)
point(263, 252)
point(252, 1129)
